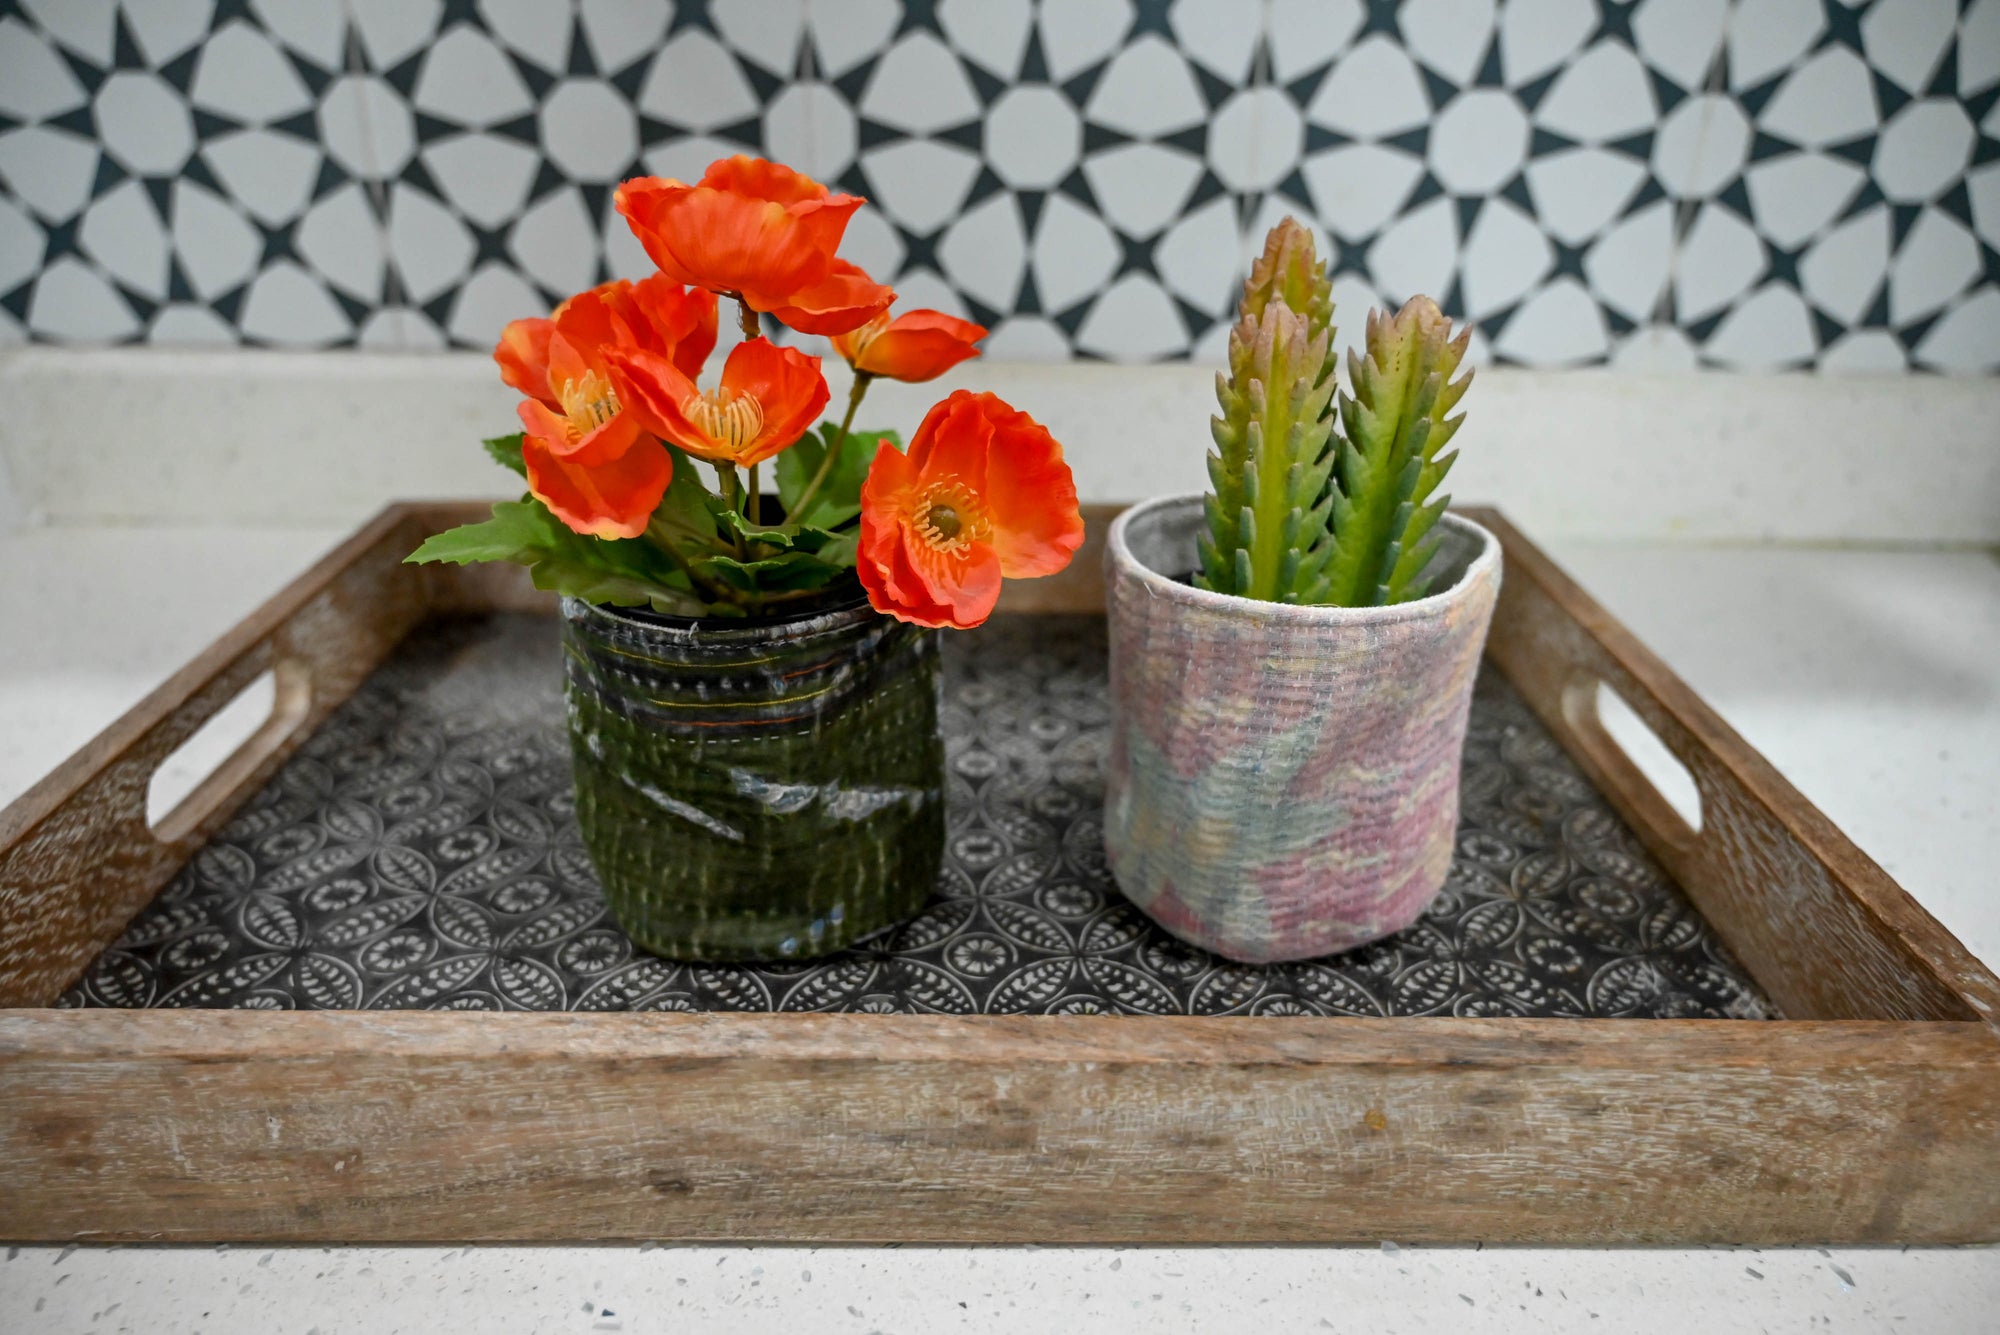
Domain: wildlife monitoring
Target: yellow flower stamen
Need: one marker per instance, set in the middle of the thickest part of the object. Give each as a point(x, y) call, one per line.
point(588, 402)
point(732, 420)
point(948, 517)
point(854, 346)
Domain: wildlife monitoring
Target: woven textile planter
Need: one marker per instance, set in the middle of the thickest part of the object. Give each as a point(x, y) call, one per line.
point(1283, 781)
point(756, 789)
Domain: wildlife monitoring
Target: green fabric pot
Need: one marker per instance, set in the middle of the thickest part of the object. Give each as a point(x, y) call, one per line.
point(756, 790)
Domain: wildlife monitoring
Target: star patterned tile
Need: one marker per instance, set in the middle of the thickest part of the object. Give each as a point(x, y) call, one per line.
point(1733, 183)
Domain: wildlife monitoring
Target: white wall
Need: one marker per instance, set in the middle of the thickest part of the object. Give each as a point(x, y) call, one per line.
point(280, 438)
point(11, 507)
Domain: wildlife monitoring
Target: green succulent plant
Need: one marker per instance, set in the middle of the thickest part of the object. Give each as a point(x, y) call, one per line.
point(1319, 496)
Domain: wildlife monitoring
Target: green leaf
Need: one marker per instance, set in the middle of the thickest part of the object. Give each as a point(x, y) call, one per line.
point(1272, 457)
point(782, 573)
point(568, 573)
point(787, 537)
point(518, 531)
point(842, 551)
point(686, 506)
point(1390, 463)
point(839, 497)
point(624, 572)
point(634, 572)
point(506, 450)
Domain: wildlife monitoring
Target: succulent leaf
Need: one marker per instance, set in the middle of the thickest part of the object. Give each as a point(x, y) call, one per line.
point(1395, 421)
point(1274, 438)
point(1322, 497)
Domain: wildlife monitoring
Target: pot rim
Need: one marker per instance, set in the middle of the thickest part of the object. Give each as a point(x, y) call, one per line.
point(1124, 563)
point(852, 610)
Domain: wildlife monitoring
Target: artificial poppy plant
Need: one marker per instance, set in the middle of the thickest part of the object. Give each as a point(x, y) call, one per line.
point(617, 430)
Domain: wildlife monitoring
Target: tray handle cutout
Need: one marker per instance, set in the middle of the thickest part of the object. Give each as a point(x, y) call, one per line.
point(190, 783)
point(1633, 758)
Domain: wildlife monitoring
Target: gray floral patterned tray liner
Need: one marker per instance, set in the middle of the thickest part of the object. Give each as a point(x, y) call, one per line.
point(420, 851)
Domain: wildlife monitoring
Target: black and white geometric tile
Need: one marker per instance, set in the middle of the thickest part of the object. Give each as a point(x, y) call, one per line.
point(1744, 183)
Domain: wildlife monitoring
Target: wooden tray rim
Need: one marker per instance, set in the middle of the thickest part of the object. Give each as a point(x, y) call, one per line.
point(456, 589)
point(1949, 1045)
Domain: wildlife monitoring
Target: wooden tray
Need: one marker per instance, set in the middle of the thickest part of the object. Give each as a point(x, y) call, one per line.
point(1870, 1114)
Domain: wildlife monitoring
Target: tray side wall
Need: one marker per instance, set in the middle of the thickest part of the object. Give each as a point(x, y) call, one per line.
point(387, 1128)
point(384, 1127)
point(77, 856)
point(1821, 927)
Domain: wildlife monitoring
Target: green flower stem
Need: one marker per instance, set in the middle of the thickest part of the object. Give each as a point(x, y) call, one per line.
point(732, 496)
point(747, 318)
point(753, 511)
point(662, 536)
point(862, 379)
point(736, 496)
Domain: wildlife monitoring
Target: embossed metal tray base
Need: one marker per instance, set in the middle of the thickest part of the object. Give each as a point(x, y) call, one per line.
point(419, 851)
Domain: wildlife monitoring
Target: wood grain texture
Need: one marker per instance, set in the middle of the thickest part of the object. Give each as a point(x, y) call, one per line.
point(77, 857)
point(1878, 1122)
point(1822, 928)
point(382, 1127)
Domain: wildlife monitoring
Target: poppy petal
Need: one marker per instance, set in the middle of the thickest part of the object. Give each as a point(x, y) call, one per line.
point(788, 387)
point(1031, 496)
point(539, 422)
point(954, 438)
point(523, 355)
point(896, 587)
point(885, 494)
point(678, 322)
point(759, 178)
point(652, 390)
point(599, 446)
point(839, 303)
point(613, 501)
point(893, 586)
point(885, 595)
point(570, 360)
point(588, 321)
point(918, 346)
point(644, 202)
point(966, 581)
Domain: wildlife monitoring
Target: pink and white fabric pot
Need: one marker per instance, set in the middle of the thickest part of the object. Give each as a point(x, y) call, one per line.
point(1283, 781)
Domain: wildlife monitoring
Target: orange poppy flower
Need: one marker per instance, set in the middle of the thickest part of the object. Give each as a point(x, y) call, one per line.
point(915, 346)
point(589, 459)
point(845, 298)
point(983, 494)
point(654, 314)
point(760, 231)
point(768, 397)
